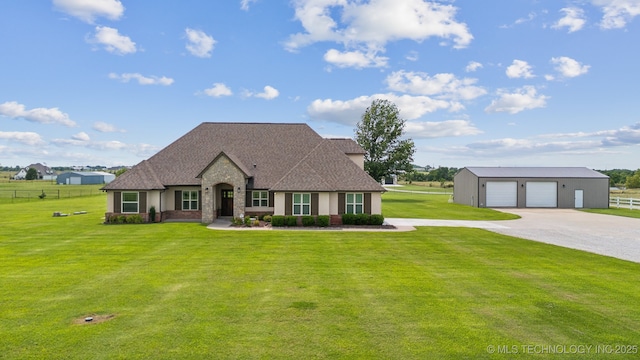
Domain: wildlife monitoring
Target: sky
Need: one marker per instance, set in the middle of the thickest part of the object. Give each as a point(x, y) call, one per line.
point(479, 83)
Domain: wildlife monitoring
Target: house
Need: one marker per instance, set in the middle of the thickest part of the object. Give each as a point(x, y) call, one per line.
point(531, 187)
point(44, 172)
point(239, 169)
point(85, 178)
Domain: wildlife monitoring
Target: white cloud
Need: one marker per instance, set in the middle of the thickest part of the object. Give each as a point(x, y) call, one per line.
point(519, 69)
point(445, 86)
point(112, 41)
point(449, 128)
point(199, 43)
point(616, 13)
point(244, 4)
point(218, 90)
point(15, 110)
point(269, 93)
point(525, 98)
point(573, 19)
point(356, 59)
point(349, 112)
point(371, 25)
point(473, 66)
point(106, 128)
point(569, 67)
point(142, 80)
point(89, 10)
point(81, 136)
point(27, 138)
point(412, 56)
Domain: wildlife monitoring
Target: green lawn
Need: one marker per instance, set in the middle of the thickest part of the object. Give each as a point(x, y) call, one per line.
point(180, 290)
point(17, 191)
point(434, 206)
point(617, 212)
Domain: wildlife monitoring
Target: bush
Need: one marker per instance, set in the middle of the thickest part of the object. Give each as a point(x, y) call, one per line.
point(323, 220)
point(237, 221)
point(247, 221)
point(348, 219)
point(134, 219)
point(121, 219)
point(277, 220)
point(363, 219)
point(291, 220)
point(152, 214)
point(377, 219)
point(308, 221)
point(267, 218)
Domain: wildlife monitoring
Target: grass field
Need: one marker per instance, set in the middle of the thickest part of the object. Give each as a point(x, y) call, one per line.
point(17, 191)
point(182, 291)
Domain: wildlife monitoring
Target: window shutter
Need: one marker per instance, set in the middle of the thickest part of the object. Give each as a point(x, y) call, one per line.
point(367, 203)
point(341, 203)
point(200, 200)
point(271, 199)
point(117, 202)
point(248, 198)
point(314, 203)
point(178, 205)
point(288, 204)
point(142, 198)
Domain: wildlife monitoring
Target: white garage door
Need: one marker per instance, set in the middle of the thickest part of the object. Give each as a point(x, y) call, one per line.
point(502, 194)
point(542, 194)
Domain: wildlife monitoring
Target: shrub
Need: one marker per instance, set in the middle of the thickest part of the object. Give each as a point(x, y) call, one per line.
point(237, 221)
point(363, 219)
point(152, 214)
point(277, 220)
point(308, 221)
point(134, 219)
point(377, 219)
point(348, 219)
point(324, 220)
point(247, 221)
point(291, 220)
point(255, 222)
point(121, 219)
point(267, 218)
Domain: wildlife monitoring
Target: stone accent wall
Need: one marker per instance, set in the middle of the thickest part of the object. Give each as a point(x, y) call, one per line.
point(222, 171)
point(181, 214)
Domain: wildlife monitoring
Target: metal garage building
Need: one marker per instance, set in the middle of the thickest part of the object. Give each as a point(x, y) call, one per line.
point(85, 178)
point(533, 187)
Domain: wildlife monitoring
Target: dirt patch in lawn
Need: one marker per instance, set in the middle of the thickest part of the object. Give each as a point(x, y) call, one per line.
point(93, 319)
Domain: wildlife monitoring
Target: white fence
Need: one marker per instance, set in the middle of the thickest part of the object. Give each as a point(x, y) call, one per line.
point(626, 203)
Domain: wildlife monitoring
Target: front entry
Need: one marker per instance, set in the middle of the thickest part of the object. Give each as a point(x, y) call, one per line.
point(227, 203)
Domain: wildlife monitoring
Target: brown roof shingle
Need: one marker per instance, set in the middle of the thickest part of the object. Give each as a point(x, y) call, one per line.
point(277, 156)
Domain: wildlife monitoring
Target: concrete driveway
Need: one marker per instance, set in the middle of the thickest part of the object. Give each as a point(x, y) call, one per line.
point(608, 235)
point(614, 236)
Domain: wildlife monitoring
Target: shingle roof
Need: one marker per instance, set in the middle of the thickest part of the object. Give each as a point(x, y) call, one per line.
point(536, 172)
point(348, 146)
point(276, 156)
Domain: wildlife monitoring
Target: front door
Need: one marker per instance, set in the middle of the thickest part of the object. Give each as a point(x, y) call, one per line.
point(227, 203)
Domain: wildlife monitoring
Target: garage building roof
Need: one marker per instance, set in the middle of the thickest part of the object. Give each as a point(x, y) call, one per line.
point(535, 172)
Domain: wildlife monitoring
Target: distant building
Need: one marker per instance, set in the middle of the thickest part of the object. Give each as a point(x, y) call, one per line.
point(85, 178)
point(44, 172)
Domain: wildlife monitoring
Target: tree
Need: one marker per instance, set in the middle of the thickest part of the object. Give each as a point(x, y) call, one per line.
point(633, 182)
point(32, 174)
point(379, 133)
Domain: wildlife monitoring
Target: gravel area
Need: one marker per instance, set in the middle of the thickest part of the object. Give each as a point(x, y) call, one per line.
point(614, 236)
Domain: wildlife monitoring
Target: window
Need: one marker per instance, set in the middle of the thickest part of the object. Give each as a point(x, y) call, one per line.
point(189, 200)
point(301, 204)
point(355, 204)
point(130, 202)
point(260, 198)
